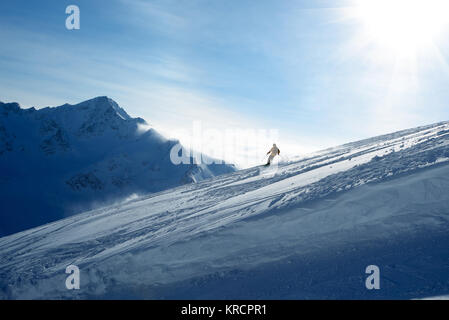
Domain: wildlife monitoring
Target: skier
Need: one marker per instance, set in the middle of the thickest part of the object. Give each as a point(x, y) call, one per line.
point(274, 152)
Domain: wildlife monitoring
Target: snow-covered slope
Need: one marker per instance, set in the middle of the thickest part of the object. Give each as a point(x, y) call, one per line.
point(55, 162)
point(303, 229)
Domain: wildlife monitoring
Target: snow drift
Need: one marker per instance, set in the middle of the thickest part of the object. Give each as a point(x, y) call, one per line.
point(304, 229)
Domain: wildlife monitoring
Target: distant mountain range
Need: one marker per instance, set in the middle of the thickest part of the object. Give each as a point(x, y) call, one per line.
point(58, 161)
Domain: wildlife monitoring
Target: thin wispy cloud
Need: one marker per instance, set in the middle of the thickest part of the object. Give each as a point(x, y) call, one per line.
point(151, 14)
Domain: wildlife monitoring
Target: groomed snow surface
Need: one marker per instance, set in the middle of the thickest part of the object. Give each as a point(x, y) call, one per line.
point(305, 229)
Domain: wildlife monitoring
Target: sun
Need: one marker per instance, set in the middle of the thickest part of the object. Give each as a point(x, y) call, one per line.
point(401, 25)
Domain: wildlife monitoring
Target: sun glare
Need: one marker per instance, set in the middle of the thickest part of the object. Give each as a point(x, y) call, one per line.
point(402, 25)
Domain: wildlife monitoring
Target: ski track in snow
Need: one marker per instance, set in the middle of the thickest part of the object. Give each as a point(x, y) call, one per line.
point(191, 240)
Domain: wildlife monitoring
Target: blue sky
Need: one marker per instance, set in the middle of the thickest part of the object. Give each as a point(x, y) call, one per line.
point(304, 68)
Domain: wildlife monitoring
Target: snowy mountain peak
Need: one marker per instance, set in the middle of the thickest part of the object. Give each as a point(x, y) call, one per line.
point(7, 108)
point(104, 104)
